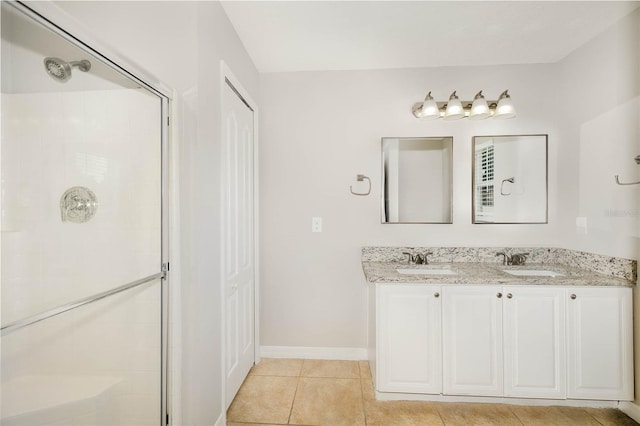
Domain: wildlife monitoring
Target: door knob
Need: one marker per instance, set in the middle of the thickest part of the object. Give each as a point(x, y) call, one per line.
point(509, 296)
point(499, 295)
point(436, 294)
point(573, 296)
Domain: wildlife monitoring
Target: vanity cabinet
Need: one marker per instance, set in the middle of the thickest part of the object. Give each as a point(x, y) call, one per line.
point(504, 341)
point(521, 341)
point(409, 338)
point(600, 340)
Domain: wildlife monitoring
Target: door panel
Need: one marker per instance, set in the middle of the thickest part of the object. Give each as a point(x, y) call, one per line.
point(472, 340)
point(534, 342)
point(409, 325)
point(600, 344)
point(238, 231)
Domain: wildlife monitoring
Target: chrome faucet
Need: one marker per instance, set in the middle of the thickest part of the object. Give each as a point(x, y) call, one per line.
point(519, 258)
point(426, 257)
point(506, 259)
point(417, 259)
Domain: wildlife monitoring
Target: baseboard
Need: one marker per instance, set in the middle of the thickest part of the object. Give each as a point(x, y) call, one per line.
point(389, 396)
point(352, 354)
point(630, 409)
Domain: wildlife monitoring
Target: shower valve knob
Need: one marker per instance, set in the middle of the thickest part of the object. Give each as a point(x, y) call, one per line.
point(78, 204)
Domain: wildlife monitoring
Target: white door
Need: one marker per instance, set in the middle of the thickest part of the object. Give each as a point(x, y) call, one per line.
point(238, 236)
point(472, 340)
point(534, 342)
point(409, 339)
point(599, 328)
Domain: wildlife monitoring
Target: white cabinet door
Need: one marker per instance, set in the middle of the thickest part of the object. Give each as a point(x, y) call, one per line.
point(599, 328)
point(534, 342)
point(409, 339)
point(472, 340)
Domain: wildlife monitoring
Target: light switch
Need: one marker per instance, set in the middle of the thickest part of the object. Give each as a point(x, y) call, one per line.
point(316, 224)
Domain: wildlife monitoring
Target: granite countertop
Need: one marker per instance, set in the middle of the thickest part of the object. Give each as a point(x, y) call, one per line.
point(489, 273)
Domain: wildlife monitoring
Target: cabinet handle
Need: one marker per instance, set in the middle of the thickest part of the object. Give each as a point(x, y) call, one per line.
point(436, 294)
point(573, 296)
point(509, 295)
point(499, 295)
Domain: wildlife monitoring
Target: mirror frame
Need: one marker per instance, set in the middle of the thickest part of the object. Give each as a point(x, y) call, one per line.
point(382, 180)
point(473, 180)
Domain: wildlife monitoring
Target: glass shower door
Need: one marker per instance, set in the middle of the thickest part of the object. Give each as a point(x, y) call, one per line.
point(81, 259)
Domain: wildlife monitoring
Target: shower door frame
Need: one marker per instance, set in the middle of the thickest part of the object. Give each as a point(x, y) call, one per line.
point(56, 20)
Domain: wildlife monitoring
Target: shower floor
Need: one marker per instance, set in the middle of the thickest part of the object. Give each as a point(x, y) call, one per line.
point(34, 400)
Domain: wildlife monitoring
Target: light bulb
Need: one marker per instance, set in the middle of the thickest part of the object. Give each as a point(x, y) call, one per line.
point(479, 108)
point(430, 110)
point(454, 109)
point(505, 108)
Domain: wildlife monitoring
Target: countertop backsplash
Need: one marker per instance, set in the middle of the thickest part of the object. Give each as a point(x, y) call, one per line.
point(607, 265)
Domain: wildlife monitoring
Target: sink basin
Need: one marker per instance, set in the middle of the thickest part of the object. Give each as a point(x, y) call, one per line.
point(533, 273)
point(420, 271)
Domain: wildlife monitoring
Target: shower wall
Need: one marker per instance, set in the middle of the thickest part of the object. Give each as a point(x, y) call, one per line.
point(99, 364)
point(107, 141)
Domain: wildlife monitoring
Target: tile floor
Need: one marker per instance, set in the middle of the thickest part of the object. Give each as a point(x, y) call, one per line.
point(333, 393)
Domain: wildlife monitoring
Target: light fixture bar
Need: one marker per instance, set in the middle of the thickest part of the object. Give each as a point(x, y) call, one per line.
point(500, 108)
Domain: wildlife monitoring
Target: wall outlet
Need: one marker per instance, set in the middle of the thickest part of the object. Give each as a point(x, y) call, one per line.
point(581, 225)
point(316, 224)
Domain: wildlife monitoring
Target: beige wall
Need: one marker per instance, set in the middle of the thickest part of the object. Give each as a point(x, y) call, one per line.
point(601, 125)
point(601, 85)
point(320, 129)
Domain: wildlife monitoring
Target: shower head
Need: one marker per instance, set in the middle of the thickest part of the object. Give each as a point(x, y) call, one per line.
point(60, 70)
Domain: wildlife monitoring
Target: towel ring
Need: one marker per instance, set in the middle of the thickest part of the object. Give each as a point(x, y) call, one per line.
point(637, 160)
point(511, 180)
point(625, 183)
point(361, 178)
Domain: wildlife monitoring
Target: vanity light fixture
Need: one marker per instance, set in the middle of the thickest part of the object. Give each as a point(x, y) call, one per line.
point(505, 108)
point(479, 108)
point(429, 109)
point(454, 109)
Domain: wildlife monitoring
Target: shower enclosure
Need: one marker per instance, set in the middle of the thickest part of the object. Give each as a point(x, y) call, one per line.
point(83, 255)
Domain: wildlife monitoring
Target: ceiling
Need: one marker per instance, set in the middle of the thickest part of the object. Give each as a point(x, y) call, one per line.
point(283, 36)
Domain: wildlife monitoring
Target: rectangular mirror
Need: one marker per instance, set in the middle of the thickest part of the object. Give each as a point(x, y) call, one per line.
point(417, 180)
point(510, 179)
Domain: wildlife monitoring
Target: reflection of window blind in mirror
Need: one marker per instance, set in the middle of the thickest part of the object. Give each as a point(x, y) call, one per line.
point(510, 179)
point(484, 179)
point(485, 193)
point(486, 164)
